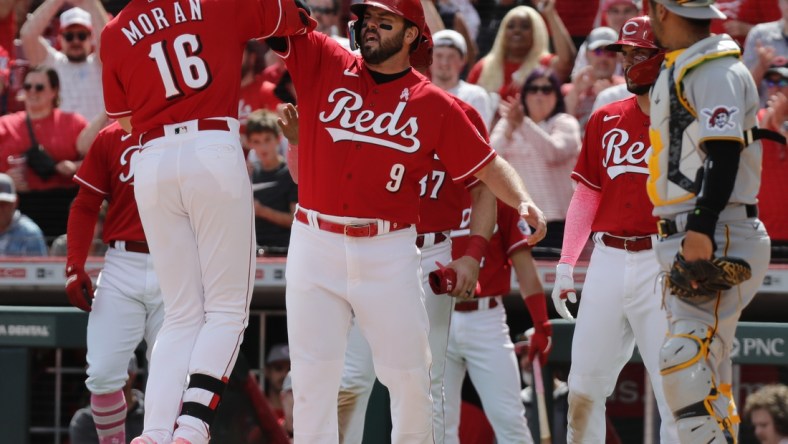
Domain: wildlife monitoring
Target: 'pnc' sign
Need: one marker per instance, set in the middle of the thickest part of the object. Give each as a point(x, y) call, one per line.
point(758, 347)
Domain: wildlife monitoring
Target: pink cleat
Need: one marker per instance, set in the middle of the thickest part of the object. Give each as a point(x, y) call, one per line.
point(142, 440)
point(181, 441)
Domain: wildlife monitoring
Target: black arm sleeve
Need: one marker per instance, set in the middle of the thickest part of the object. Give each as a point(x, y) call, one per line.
point(719, 176)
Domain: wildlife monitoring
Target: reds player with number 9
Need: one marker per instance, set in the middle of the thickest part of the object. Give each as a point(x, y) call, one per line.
point(370, 127)
point(621, 303)
point(170, 75)
point(128, 305)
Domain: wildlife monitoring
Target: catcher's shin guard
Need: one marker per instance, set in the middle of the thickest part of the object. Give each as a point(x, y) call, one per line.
point(689, 384)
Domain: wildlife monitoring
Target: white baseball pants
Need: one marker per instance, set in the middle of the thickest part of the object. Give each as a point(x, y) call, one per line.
point(358, 376)
point(620, 307)
point(127, 309)
point(195, 202)
point(479, 342)
point(330, 277)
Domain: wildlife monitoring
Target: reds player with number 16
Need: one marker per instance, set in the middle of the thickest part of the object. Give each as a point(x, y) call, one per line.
point(621, 303)
point(170, 74)
point(370, 127)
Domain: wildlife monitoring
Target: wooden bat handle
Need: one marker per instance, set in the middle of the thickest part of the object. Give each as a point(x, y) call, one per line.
point(544, 427)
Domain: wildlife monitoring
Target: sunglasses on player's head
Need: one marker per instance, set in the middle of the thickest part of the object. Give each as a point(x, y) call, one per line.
point(780, 81)
point(81, 36)
point(533, 89)
point(38, 87)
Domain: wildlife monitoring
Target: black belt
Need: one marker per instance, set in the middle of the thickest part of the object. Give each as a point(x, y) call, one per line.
point(667, 227)
point(439, 237)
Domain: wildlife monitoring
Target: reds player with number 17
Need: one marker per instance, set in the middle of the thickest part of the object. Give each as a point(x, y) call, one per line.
point(128, 305)
point(170, 74)
point(370, 127)
point(621, 304)
point(442, 209)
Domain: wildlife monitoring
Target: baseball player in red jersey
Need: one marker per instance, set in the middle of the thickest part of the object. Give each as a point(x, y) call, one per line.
point(621, 303)
point(170, 74)
point(479, 339)
point(369, 128)
point(128, 305)
point(442, 208)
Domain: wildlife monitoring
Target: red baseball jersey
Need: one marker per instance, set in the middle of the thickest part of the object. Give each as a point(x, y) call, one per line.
point(614, 161)
point(57, 132)
point(170, 61)
point(108, 169)
point(443, 201)
point(363, 146)
point(511, 233)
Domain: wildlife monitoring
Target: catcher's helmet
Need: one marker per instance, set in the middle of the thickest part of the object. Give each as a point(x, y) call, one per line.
point(410, 10)
point(637, 32)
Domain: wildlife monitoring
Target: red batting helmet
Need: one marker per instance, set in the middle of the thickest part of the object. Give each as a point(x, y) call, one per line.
point(410, 10)
point(637, 32)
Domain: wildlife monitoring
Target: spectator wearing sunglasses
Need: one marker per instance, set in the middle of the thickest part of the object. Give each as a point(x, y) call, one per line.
point(766, 45)
point(542, 142)
point(77, 63)
point(43, 180)
point(771, 199)
point(594, 78)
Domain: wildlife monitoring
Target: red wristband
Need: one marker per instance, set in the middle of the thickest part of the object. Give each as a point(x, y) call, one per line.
point(477, 247)
point(537, 308)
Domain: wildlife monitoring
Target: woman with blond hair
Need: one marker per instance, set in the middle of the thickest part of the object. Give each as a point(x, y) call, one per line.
point(522, 44)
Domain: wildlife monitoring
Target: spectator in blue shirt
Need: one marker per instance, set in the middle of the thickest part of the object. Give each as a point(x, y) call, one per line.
point(19, 235)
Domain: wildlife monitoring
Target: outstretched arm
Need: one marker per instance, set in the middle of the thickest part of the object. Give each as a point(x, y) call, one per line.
point(507, 186)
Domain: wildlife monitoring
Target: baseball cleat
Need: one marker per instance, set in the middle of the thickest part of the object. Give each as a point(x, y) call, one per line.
point(143, 440)
point(181, 441)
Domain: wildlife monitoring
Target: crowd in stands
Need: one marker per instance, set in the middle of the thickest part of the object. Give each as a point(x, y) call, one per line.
point(535, 70)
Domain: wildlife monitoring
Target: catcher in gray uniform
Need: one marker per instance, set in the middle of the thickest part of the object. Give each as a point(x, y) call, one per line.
point(705, 171)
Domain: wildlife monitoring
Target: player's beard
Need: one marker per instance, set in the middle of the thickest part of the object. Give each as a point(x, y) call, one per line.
point(385, 49)
point(637, 90)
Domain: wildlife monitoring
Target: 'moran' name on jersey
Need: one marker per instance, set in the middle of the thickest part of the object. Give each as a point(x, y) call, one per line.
point(154, 20)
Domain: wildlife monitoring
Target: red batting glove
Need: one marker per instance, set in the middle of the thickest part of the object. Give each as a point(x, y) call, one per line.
point(79, 287)
point(541, 342)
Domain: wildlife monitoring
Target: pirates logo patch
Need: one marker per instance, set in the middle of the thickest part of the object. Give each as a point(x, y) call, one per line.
point(720, 117)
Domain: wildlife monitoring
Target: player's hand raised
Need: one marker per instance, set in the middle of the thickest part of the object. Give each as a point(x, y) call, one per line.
point(564, 289)
point(288, 122)
point(79, 287)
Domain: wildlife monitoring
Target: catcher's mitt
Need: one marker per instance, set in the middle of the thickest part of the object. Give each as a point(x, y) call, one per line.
point(699, 281)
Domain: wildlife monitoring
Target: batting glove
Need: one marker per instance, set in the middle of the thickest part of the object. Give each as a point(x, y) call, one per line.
point(564, 289)
point(541, 342)
point(79, 287)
